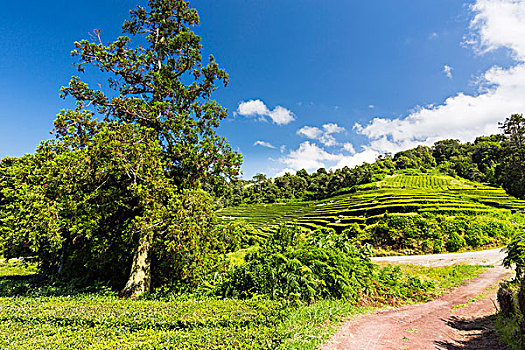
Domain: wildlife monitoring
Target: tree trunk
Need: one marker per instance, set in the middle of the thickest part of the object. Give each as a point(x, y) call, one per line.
point(62, 258)
point(139, 280)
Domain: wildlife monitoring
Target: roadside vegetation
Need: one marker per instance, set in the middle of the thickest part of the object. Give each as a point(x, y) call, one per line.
point(511, 297)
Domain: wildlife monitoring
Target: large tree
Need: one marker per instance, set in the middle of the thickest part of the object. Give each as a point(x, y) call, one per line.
point(116, 192)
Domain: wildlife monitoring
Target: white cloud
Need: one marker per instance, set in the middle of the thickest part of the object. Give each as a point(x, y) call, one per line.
point(252, 107)
point(324, 135)
point(284, 171)
point(328, 140)
point(371, 106)
point(433, 35)
point(310, 132)
point(349, 148)
point(311, 157)
point(279, 115)
point(366, 155)
point(333, 128)
point(499, 24)
point(263, 144)
point(308, 156)
point(448, 71)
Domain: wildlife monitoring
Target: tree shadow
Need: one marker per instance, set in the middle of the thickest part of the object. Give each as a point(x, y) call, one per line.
point(17, 280)
point(479, 333)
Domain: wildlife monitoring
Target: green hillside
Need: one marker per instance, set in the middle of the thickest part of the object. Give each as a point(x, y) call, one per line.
point(402, 194)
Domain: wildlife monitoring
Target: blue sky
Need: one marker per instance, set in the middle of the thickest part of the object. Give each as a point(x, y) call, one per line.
point(312, 83)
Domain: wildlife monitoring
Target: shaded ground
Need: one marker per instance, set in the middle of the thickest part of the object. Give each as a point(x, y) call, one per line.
point(461, 319)
point(473, 334)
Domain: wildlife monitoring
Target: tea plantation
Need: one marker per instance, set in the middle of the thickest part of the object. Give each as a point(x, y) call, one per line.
point(416, 199)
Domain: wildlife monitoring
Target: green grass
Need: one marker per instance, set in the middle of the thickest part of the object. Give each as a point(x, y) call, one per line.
point(476, 298)
point(445, 277)
point(41, 320)
point(18, 267)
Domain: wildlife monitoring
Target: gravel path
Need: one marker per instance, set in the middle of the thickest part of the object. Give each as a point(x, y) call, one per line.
point(460, 319)
point(483, 257)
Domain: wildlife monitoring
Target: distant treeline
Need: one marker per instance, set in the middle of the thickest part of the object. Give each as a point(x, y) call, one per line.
point(497, 159)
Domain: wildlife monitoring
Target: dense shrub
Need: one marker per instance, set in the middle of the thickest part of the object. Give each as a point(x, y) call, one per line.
point(417, 233)
point(455, 242)
point(237, 234)
point(475, 236)
point(321, 264)
point(291, 265)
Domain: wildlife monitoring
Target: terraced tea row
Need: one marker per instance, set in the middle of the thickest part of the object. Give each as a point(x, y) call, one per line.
point(414, 194)
point(418, 181)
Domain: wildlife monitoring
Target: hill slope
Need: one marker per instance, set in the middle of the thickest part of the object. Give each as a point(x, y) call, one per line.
point(403, 194)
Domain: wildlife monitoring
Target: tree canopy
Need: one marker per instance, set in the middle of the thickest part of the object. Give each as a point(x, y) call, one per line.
point(116, 195)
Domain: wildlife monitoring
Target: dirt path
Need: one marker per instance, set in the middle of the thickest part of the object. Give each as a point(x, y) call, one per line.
point(482, 257)
point(461, 319)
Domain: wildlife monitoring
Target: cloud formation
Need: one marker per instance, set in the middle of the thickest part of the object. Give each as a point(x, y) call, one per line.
point(324, 135)
point(349, 148)
point(311, 157)
point(499, 24)
point(279, 115)
point(264, 144)
point(310, 132)
point(308, 156)
point(448, 71)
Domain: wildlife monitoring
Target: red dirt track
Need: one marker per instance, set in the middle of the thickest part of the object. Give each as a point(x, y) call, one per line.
point(432, 325)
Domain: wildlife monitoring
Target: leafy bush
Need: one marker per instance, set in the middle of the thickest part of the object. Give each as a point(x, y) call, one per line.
point(455, 242)
point(438, 246)
point(297, 266)
point(291, 265)
point(516, 256)
point(475, 236)
point(236, 235)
